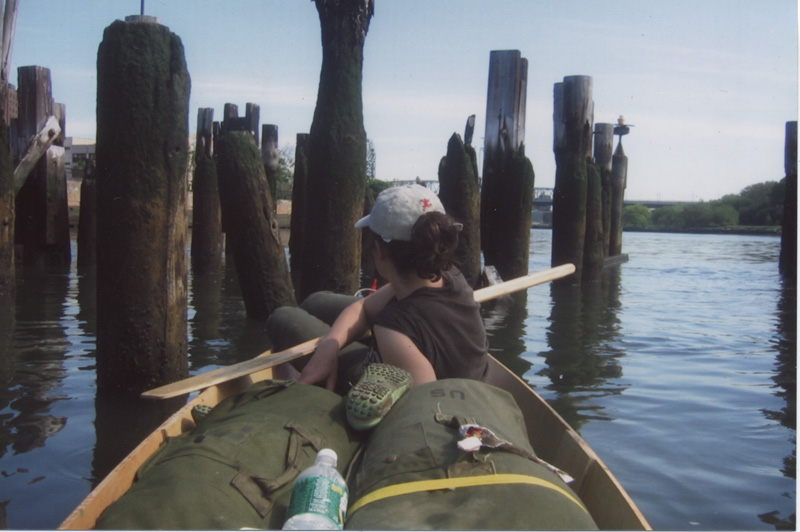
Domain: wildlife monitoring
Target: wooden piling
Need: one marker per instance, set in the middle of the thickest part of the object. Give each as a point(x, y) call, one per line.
point(7, 215)
point(298, 216)
point(337, 152)
point(42, 214)
point(603, 153)
point(788, 256)
point(507, 188)
point(207, 237)
point(593, 249)
point(142, 154)
point(460, 194)
point(271, 156)
point(619, 180)
point(87, 222)
point(249, 122)
point(253, 233)
point(573, 112)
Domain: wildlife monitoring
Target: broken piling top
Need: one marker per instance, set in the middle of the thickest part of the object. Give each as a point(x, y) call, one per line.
point(505, 101)
point(143, 18)
point(573, 109)
point(603, 143)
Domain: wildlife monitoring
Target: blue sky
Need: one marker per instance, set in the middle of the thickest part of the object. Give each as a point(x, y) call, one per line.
point(708, 85)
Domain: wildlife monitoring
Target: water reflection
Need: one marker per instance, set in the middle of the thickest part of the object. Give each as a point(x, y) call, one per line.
point(583, 358)
point(504, 319)
point(121, 423)
point(786, 385)
point(35, 368)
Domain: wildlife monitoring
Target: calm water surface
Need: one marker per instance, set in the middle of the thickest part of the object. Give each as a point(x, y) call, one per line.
point(678, 368)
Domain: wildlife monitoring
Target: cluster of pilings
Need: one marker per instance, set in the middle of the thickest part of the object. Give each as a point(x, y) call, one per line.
point(133, 228)
point(41, 229)
point(590, 183)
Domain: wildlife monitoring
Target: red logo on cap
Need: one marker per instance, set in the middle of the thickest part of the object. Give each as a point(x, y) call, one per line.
point(426, 204)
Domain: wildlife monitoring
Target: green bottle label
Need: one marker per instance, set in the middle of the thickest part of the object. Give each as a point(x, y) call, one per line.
point(319, 495)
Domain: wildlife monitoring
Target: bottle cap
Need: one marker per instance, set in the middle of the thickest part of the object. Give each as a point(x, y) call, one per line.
point(330, 453)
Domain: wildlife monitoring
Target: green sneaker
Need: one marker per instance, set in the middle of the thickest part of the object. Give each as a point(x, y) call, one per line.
point(372, 397)
point(199, 413)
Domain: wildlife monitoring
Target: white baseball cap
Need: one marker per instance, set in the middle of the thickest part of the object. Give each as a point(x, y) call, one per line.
point(397, 209)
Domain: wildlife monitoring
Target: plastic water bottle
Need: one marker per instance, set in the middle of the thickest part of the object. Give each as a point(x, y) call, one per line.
point(319, 496)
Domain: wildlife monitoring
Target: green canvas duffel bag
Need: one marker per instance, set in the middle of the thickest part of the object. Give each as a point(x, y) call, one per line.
point(236, 468)
point(414, 476)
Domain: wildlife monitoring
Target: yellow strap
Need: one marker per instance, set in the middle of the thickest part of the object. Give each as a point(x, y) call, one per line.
point(458, 482)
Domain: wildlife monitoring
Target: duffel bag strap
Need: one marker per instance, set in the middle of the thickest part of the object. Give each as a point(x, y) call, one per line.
point(458, 482)
point(299, 437)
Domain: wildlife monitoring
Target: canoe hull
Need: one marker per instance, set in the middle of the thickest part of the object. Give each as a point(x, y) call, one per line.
point(552, 438)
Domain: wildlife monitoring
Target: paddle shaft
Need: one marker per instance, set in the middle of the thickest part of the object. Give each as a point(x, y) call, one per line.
point(268, 360)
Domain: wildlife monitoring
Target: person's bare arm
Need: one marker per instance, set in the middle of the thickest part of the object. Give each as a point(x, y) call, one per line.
point(352, 324)
point(398, 350)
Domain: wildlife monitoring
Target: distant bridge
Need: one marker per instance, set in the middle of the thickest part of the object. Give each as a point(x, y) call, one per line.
point(543, 197)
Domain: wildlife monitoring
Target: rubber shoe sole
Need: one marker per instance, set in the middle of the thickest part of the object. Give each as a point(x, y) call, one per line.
point(199, 413)
point(373, 396)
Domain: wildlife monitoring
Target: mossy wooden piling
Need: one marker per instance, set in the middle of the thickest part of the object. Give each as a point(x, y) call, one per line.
point(619, 179)
point(603, 153)
point(207, 236)
point(298, 216)
point(271, 156)
point(337, 153)
point(573, 112)
point(507, 188)
point(460, 194)
point(42, 214)
point(593, 248)
point(7, 215)
point(788, 256)
point(252, 226)
point(142, 152)
point(87, 222)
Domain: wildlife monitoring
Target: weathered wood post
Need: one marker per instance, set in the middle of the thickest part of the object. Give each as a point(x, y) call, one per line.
point(619, 180)
point(231, 121)
point(573, 113)
point(87, 221)
point(271, 157)
point(142, 154)
point(603, 152)
point(207, 237)
point(42, 214)
point(337, 152)
point(460, 193)
point(593, 249)
point(507, 189)
point(7, 215)
point(298, 216)
point(788, 257)
point(253, 233)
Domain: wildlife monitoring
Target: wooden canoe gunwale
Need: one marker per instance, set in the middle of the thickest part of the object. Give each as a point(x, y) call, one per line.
point(552, 439)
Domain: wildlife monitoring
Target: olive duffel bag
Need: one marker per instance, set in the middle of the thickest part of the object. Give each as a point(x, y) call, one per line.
point(236, 468)
point(414, 476)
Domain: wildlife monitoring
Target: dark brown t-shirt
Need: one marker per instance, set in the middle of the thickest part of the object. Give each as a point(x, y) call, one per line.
point(446, 326)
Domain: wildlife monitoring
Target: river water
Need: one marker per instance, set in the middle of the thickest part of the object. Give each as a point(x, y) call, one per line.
point(678, 368)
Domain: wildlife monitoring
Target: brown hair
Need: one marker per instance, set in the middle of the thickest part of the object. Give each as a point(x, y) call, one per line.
point(431, 250)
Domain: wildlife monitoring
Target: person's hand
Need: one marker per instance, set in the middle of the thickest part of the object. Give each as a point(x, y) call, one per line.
point(324, 364)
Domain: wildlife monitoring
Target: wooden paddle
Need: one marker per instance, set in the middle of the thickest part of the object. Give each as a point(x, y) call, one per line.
point(268, 360)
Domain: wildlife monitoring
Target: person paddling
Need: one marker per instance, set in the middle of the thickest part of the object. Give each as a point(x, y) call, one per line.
point(425, 321)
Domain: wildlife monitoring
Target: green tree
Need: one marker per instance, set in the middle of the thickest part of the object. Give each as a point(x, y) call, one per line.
point(636, 216)
point(285, 175)
point(723, 215)
point(762, 204)
point(669, 216)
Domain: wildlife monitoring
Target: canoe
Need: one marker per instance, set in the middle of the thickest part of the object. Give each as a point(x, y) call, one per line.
point(552, 439)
